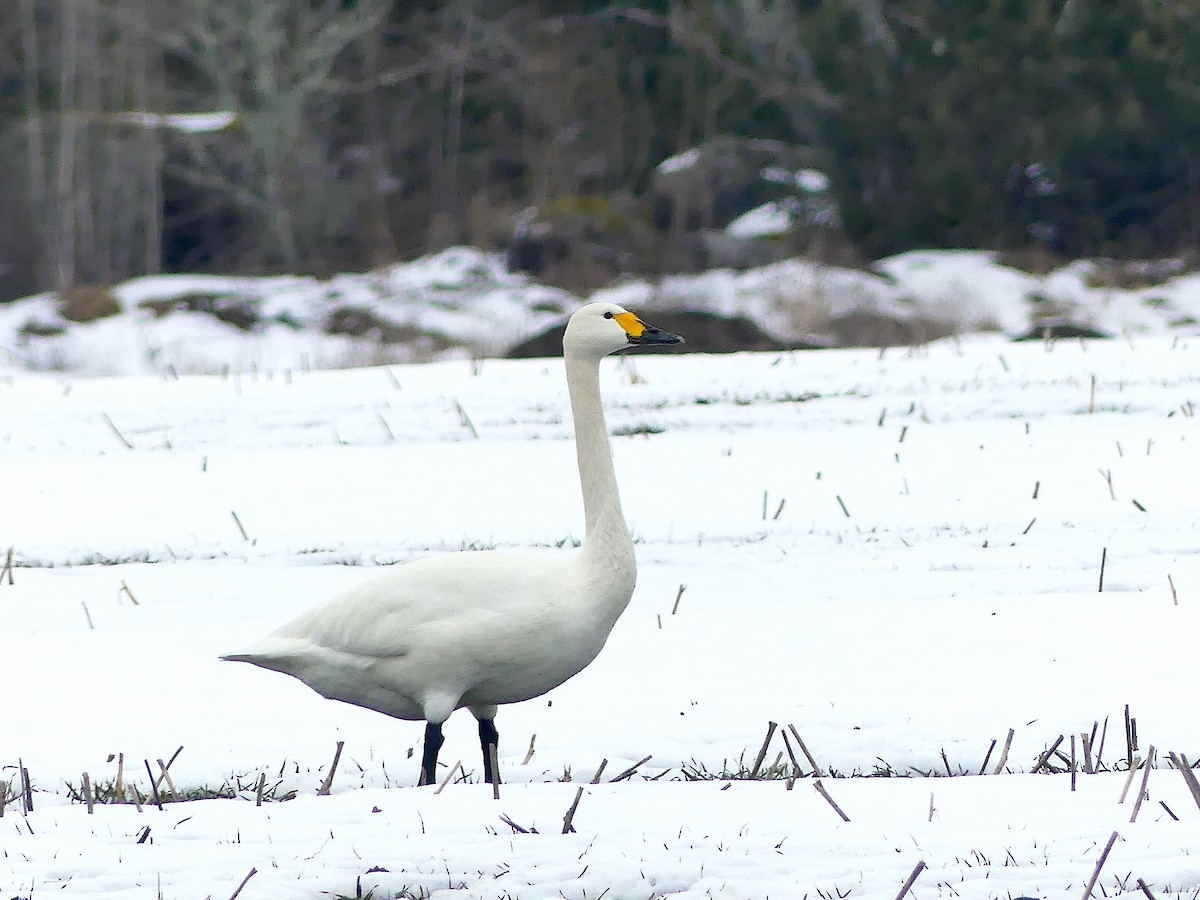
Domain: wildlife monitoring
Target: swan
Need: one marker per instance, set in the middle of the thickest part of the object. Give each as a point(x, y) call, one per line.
point(483, 628)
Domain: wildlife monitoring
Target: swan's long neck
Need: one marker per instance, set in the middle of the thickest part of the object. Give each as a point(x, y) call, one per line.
point(606, 533)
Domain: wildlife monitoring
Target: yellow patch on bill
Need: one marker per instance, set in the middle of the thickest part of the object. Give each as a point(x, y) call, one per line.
point(632, 324)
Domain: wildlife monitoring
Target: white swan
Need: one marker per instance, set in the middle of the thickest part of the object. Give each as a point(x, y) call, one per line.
point(480, 629)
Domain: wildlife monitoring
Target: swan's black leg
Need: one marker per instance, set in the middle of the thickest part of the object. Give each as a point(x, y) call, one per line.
point(489, 740)
point(429, 755)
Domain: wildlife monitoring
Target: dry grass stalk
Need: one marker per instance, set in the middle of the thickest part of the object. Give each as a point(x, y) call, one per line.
point(1137, 804)
point(916, 872)
point(87, 793)
point(113, 428)
point(1189, 776)
point(804, 749)
point(529, 752)
point(1100, 748)
point(1087, 892)
point(568, 828)
point(259, 788)
point(119, 784)
point(327, 784)
point(8, 567)
point(762, 752)
point(449, 777)
point(678, 596)
point(128, 593)
point(238, 522)
point(249, 875)
point(820, 789)
point(1103, 560)
point(1174, 596)
point(465, 419)
point(842, 504)
point(88, 615)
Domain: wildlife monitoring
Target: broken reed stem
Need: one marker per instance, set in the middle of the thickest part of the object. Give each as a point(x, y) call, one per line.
point(529, 752)
point(779, 509)
point(599, 771)
point(153, 786)
point(1073, 763)
point(1086, 741)
point(8, 569)
point(804, 749)
point(249, 875)
point(842, 504)
point(568, 828)
point(820, 789)
point(258, 790)
point(165, 774)
point(1087, 892)
point(1100, 748)
point(1145, 890)
point(917, 870)
point(327, 784)
point(113, 428)
point(762, 752)
point(987, 756)
point(1137, 804)
point(787, 745)
point(1045, 757)
point(26, 788)
point(494, 755)
point(628, 773)
point(119, 785)
point(128, 593)
point(1092, 397)
point(1103, 560)
point(1189, 777)
point(1133, 767)
point(87, 793)
point(449, 777)
point(1174, 596)
point(1004, 753)
point(1130, 736)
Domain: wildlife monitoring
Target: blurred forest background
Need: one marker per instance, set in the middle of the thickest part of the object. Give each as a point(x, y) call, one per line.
point(345, 134)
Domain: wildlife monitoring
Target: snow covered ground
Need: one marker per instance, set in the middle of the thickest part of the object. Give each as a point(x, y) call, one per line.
point(462, 303)
point(898, 553)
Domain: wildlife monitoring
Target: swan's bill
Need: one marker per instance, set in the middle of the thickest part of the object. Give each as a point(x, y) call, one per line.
point(641, 333)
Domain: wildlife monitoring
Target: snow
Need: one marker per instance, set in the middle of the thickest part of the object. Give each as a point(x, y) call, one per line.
point(463, 303)
point(897, 552)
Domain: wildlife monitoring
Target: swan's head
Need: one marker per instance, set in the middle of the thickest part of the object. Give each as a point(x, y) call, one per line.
point(602, 328)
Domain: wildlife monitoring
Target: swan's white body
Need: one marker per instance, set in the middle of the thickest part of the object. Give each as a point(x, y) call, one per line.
point(481, 629)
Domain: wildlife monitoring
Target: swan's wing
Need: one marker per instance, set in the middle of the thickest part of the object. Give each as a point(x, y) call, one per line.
point(437, 602)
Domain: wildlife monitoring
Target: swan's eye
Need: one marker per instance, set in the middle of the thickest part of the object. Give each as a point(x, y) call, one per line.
point(608, 315)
